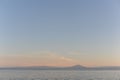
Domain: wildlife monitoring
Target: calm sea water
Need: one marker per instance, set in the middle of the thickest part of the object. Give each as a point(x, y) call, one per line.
point(58, 75)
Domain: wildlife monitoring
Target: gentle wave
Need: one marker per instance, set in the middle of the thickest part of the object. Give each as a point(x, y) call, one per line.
point(58, 75)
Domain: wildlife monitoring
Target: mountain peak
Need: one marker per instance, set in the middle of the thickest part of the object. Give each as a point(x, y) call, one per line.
point(78, 67)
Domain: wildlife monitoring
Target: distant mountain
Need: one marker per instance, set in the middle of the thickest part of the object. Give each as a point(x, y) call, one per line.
point(75, 67)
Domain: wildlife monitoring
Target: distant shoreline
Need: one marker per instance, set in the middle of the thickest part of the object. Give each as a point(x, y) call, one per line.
point(76, 67)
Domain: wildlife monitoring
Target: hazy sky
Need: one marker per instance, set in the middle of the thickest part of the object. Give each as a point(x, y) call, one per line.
point(59, 32)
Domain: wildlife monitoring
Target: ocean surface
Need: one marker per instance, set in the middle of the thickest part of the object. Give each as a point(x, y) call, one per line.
point(58, 75)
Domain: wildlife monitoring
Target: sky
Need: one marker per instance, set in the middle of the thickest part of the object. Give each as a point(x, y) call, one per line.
point(59, 32)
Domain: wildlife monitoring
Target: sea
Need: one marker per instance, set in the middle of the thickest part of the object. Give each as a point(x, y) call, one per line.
point(58, 75)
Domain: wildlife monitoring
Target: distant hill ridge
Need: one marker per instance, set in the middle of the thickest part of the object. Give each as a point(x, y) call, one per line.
point(75, 67)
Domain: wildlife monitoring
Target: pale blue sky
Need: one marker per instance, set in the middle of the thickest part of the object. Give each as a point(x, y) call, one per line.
point(89, 27)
